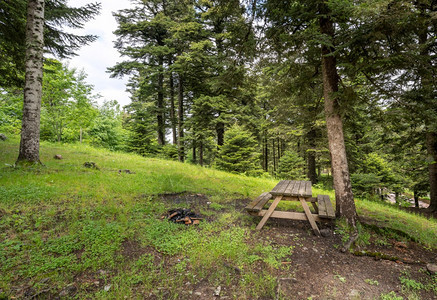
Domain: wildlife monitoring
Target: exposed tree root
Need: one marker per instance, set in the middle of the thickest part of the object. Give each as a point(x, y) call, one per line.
point(350, 242)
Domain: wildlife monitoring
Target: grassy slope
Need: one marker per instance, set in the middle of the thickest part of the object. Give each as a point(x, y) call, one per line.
point(62, 221)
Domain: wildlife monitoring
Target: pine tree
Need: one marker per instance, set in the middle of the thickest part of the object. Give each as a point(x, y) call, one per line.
point(238, 153)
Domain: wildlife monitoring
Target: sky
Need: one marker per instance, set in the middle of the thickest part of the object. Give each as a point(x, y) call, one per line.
point(95, 58)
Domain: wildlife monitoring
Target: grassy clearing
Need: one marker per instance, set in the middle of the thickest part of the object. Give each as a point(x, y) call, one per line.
point(63, 223)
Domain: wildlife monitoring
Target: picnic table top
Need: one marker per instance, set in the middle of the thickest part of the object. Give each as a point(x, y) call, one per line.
point(292, 188)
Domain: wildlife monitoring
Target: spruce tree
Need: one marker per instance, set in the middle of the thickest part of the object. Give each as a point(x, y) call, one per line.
point(238, 153)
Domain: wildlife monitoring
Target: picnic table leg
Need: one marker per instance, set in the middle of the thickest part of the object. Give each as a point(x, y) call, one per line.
point(309, 216)
point(269, 212)
point(316, 208)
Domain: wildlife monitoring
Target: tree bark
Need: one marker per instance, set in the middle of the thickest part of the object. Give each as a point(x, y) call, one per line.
point(201, 153)
point(30, 128)
point(266, 153)
point(345, 205)
point(431, 147)
point(194, 152)
point(172, 107)
point(416, 199)
point(274, 155)
point(160, 113)
point(311, 158)
point(220, 129)
point(181, 149)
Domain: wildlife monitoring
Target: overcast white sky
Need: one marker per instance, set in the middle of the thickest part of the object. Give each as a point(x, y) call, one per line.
point(95, 58)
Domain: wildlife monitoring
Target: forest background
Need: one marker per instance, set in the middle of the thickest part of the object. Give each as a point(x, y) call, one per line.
point(238, 86)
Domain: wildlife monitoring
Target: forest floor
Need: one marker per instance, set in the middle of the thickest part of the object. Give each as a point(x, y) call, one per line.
point(72, 232)
point(394, 267)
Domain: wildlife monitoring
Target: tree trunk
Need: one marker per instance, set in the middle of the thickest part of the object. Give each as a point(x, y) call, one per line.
point(181, 149)
point(278, 142)
point(160, 113)
point(311, 157)
point(194, 152)
point(80, 135)
point(220, 129)
point(345, 205)
point(30, 128)
point(266, 153)
point(431, 147)
point(416, 199)
point(274, 155)
point(201, 153)
point(172, 108)
point(427, 87)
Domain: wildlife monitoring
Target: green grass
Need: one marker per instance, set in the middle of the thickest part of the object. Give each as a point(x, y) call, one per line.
point(62, 223)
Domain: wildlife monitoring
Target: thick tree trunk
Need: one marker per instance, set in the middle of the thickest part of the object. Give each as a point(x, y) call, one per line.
point(431, 147)
point(311, 158)
point(172, 108)
point(30, 129)
point(160, 113)
point(345, 205)
point(181, 149)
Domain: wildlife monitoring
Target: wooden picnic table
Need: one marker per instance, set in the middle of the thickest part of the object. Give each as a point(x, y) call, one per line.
point(291, 190)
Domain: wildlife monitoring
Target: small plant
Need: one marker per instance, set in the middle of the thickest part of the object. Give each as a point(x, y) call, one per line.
point(216, 206)
point(341, 278)
point(411, 284)
point(390, 296)
point(371, 282)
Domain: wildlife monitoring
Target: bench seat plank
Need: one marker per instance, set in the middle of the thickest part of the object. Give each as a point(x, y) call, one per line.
point(257, 204)
point(325, 207)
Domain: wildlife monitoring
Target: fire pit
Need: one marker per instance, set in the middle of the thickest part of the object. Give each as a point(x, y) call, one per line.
point(183, 216)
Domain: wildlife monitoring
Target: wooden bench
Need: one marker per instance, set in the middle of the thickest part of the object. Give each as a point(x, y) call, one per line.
point(257, 204)
point(294, 191)
point(325, 209)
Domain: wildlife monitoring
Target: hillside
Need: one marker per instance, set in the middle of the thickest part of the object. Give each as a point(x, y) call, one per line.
point(67, 231)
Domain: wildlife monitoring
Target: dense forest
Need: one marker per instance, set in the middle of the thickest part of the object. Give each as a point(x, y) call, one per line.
point(284, 89)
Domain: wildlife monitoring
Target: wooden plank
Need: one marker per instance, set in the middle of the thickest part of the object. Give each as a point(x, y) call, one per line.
point(308, 189)
point(289, 215)
point(329, 209)
point(262, 202)
point(289, 190)
point(281, 190)
point(309, 216)
point(278, 187)
point(302, 188)
point(322, 206)
point(269, 212)
point(252, 204)
point(296, 188)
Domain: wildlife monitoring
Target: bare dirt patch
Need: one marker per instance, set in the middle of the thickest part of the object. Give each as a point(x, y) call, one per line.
point(318, 270)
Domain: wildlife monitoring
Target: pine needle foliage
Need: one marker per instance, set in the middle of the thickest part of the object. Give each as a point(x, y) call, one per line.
point(238, 153)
